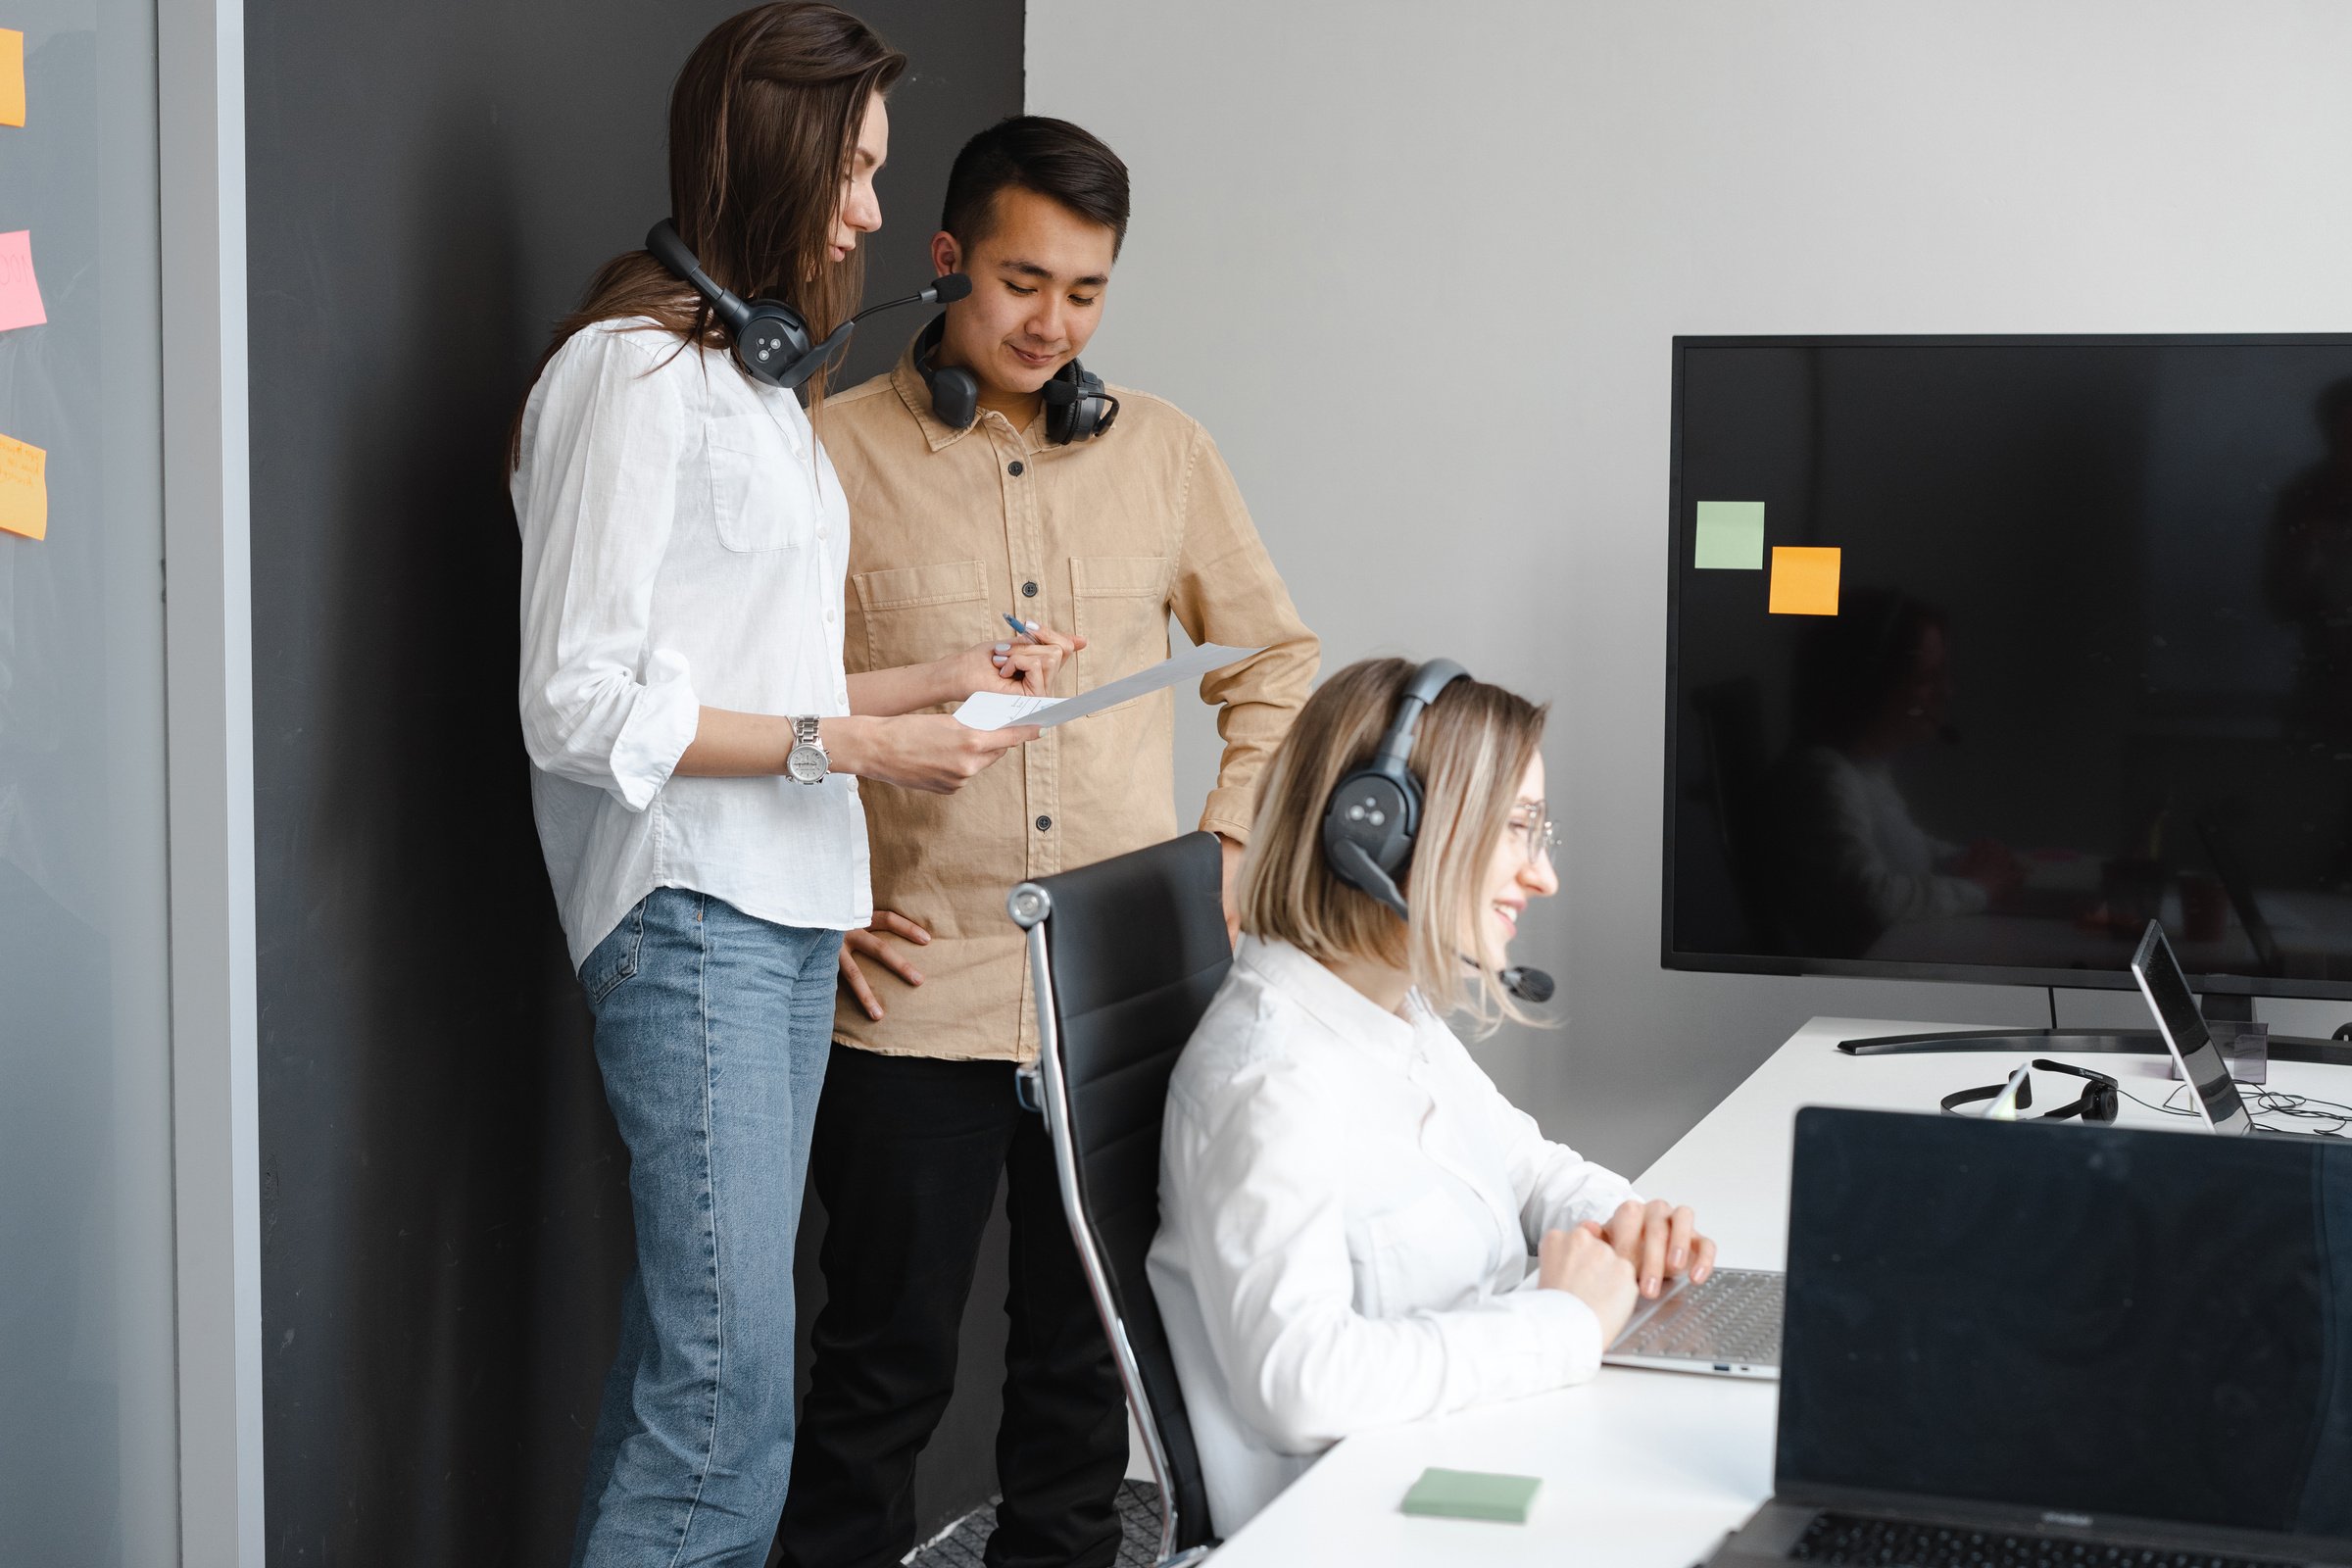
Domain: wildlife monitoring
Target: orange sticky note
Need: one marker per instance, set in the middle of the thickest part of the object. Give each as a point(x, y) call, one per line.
point(19, 290)
point(23, 489)
point(1804, 580)
point(11, 77)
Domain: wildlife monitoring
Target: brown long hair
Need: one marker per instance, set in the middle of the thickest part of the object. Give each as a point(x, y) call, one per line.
point(764, 121)
point(1470, 749)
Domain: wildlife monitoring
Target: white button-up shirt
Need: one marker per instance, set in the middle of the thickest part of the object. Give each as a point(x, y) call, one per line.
point(684, 542)
point(1349, 1208)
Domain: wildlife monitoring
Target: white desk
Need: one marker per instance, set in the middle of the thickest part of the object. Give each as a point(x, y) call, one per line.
point(1650, 1468)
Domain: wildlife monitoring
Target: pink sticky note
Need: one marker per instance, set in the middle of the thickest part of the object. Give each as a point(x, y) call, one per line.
point(20, 291)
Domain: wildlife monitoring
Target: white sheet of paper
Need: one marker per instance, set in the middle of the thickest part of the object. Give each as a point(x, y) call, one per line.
point(996, 710)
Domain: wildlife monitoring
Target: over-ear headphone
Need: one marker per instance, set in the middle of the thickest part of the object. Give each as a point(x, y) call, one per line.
point(771, 339)
point(1375, 811)
point(2101, 1101)
point(1077, 408)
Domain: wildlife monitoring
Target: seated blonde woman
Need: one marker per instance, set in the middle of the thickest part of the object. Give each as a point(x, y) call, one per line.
point(1357, 1227)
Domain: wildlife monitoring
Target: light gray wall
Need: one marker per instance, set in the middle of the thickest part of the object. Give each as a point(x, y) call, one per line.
point(1418, 266)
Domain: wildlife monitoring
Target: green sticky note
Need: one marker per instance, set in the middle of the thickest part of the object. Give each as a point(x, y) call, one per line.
point(1731, 536)
point(1472, 1494)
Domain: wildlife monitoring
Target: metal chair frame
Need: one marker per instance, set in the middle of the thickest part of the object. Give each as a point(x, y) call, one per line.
point(1030, 905)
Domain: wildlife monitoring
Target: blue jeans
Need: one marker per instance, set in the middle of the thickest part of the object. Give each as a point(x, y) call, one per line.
point(711, 1031)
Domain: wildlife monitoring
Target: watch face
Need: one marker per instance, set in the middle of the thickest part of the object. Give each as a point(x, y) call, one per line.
point(806, 764)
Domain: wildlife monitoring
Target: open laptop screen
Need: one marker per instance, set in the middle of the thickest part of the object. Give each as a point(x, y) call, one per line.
point(2088, 1320)
point(2184, 1028)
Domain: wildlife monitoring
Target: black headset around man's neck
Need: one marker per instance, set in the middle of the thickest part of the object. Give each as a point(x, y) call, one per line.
point(1374, 812)
point(1077, 407)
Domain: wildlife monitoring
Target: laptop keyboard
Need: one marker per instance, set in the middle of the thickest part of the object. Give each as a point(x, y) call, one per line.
point(1735, 1316)
point(1838, 1538)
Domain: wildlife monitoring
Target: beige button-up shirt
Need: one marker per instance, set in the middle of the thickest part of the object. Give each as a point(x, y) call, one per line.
point(951, 529)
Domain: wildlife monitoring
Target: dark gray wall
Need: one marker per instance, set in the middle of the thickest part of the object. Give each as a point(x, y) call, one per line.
point(444, 1214)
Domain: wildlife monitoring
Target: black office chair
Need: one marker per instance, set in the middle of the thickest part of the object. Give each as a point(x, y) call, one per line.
point(1124, 956)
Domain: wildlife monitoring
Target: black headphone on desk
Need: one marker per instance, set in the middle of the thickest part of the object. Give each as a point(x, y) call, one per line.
point(2100, 1102)
point(771, 339)
point(1077, 408)
point(1375, 810)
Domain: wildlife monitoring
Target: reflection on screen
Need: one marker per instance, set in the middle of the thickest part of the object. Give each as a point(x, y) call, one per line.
point(2177, 1014)
point(1986, 653)
point(2093, 1320)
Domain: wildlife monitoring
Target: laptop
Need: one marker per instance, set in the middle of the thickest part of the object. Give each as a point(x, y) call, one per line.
point(2034, 1343)
point(1730, 1326)
point(2186, 1036)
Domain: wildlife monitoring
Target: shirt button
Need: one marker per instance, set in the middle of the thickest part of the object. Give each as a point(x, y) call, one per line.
point(1045, 824)
point(1013, 467)
point(1028, 590)
point(828, 615)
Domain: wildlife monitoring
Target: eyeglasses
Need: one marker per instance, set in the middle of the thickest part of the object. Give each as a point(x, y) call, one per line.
point(1533, 832)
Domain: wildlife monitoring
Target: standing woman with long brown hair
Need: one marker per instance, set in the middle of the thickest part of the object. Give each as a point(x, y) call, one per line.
point(696, 745)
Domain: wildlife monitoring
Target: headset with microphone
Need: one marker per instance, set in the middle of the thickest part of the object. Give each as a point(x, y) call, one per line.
point(1375, 811)
point(773, 341)
point(1077, 405)
point(2099, 1102)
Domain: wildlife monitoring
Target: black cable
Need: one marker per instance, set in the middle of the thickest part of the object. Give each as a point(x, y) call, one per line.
point(2054, 990)
point(2269, 1102)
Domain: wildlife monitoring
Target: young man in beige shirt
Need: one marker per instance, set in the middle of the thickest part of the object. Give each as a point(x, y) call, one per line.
point(973, 492)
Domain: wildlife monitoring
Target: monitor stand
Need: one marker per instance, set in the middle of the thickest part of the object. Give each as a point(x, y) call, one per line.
point(2218, 1009)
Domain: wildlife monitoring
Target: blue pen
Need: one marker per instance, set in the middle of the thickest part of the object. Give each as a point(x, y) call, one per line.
point(1019, 627)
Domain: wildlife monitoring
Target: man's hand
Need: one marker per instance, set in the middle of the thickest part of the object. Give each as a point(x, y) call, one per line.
point(1232, 852)
point(1658, 1239)
point(870, 944)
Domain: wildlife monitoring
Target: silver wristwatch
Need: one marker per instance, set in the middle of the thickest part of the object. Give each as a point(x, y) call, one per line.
point(806, 761)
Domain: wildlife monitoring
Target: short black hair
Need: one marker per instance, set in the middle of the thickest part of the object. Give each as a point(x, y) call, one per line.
point(1051, 157)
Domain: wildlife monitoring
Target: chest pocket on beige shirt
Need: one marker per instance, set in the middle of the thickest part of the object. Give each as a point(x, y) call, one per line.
point(915, 614)
point(1121, 607)
point(763, 495)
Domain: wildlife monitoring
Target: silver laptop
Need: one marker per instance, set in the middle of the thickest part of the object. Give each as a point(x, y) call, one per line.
point(2186, 1036)
point(1730, 1326)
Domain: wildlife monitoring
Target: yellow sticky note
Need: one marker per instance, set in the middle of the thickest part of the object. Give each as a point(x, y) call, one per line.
point(1804, 580)
point(11, 77)
point(23, 489)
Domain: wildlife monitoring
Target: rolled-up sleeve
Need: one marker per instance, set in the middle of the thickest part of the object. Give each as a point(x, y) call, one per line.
point(1226, 590)
point(1266, 1250)
point(598, 704)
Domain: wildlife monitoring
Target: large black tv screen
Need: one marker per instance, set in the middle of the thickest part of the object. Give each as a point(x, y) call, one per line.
point(1983, 651)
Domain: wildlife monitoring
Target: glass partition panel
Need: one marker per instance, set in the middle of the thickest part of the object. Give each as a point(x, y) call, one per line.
point(89, 1462)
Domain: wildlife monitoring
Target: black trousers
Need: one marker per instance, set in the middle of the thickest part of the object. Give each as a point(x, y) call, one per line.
point(906, 1156)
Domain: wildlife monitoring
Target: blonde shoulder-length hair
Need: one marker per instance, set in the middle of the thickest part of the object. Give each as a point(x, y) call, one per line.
point(1470, 750)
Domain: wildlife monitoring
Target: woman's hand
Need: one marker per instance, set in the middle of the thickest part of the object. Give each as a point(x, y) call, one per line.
point(1583, 1263)
point(1658, 1239)
point(869, 943)
point(928, 752)
point(1018, 668)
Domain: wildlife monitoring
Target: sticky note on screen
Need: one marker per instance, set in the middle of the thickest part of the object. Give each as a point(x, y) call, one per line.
point(1731, 536)
point(20, 293)
point(23, 489)
point(1804, 580)
point(1472, 1494)
point(11, 77)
